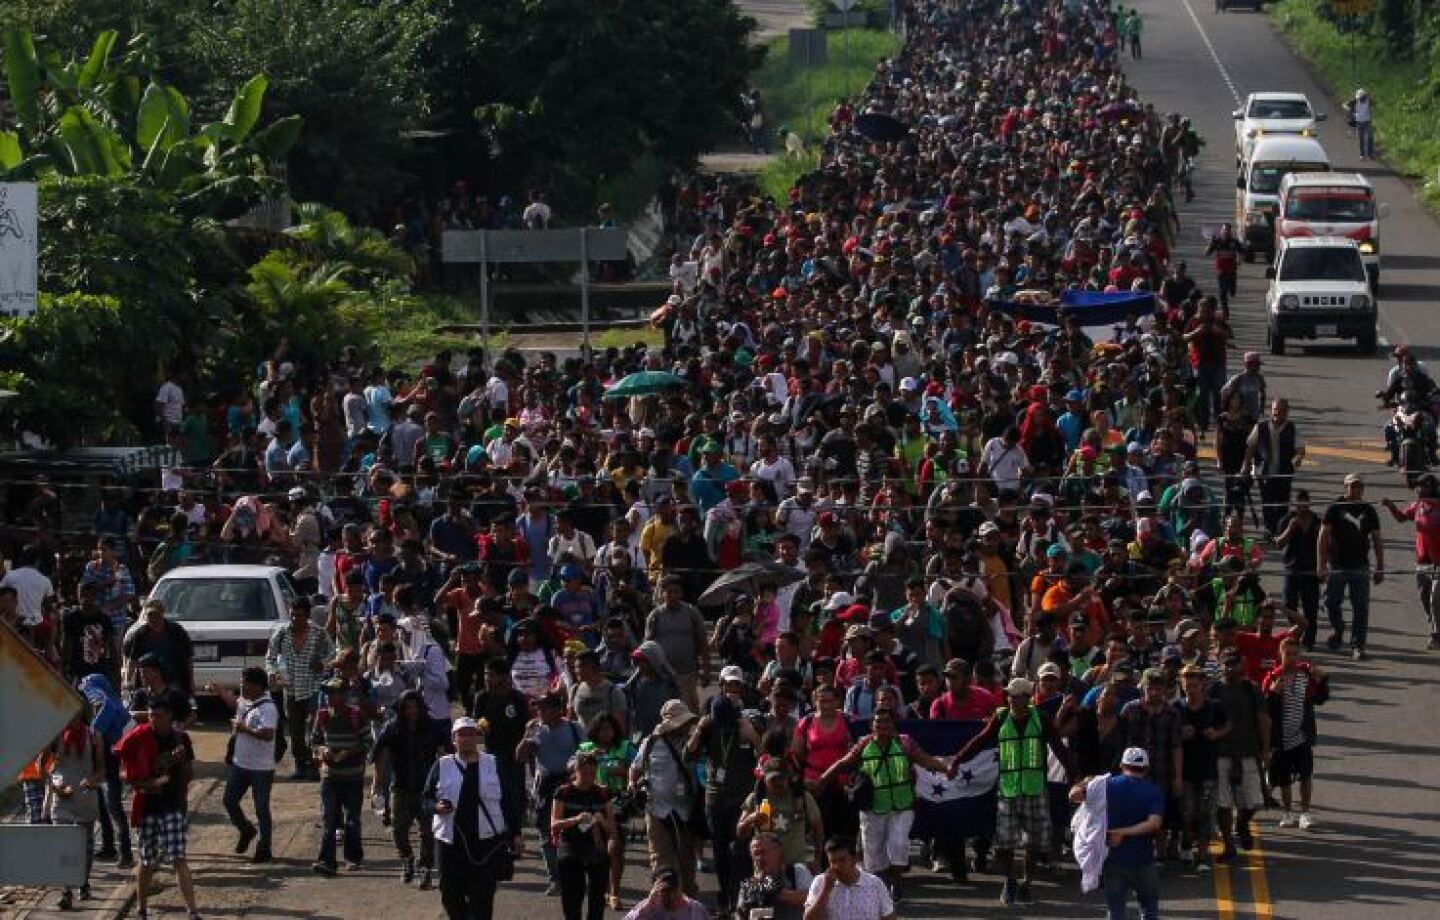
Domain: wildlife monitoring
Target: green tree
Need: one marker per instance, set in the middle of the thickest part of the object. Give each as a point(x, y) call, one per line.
point(570, 92)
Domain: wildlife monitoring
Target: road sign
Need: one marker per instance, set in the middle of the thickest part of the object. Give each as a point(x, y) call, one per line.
point(35, 703)
point(605, 244)
point(844, 6)
point(19, 249)
point(42, 854)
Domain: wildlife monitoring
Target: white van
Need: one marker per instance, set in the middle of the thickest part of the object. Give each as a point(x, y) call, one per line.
point(1333, 204)
point(1257, 190)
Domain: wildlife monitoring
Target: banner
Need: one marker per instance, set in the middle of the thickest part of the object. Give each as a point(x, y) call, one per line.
point(19, 249)
point(1093, 308)
point(944, 807)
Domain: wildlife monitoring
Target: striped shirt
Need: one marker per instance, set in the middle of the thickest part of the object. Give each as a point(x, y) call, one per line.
point(340, 731)
point(1292, 724)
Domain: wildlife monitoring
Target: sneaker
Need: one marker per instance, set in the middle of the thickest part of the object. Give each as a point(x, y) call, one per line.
point(407, 871)
point(1306, 822)
point(247, 836)
point(321, 867)
point(1357, 653)
point(938, 866)
point(354, 865)
point(1022, 894)
point(1289, 819)
point(1007, 893)
point(552, 890)
point(426, 881)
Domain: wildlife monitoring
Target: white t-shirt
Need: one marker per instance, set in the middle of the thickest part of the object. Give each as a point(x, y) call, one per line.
point(252, 753)
point(780, 472)
point(171, 400)
point(867, 899)
point(31, 589)
point(1004, 463)
point(579, 544)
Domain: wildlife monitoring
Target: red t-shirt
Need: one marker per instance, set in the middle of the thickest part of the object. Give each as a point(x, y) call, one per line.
point(1209, 347)
point(1260, 653)
point(1426, 515)
point(467, 634)
point(979, 704)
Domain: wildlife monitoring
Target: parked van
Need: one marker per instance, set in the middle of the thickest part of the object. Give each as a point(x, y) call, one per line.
point(1257, 190)
point(1333, 204)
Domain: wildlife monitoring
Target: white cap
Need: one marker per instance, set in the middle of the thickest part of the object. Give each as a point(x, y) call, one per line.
point(1136, 757)
point(463, 723)
point(1019, 687)
point(987, 528)
point(730, 673)
point(840, 600)
point(909, 385)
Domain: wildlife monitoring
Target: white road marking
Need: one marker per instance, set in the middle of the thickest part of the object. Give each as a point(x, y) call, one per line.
point(1214, 55)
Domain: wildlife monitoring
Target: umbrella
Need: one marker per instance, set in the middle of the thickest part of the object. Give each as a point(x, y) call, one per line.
point(749, 579)
point(881, 127)
point(644, 383)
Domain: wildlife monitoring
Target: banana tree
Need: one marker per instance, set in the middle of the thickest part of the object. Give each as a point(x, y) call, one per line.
point(94, 115)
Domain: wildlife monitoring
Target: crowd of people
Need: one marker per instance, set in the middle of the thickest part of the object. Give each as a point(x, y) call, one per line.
point(507, 613)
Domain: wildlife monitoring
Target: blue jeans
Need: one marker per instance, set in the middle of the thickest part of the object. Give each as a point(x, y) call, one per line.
point(257, 783)
point(1357, 581)
point(114, 828)
point(1209, 380)
point(1365, 133)
point(1120, 881)
point(340, 801)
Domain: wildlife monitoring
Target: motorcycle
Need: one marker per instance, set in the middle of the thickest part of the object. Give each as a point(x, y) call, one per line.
point(1410, 436)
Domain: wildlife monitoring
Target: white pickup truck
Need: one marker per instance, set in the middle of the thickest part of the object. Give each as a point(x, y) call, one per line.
point(1319, 290)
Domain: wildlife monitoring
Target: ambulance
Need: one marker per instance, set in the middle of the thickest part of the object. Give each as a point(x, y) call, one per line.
point(1332, 204)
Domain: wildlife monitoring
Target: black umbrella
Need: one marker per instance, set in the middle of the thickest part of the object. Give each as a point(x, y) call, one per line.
point(749, 579)
point(881, 127)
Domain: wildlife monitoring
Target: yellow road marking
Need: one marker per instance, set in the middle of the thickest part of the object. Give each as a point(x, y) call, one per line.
point(1259, 882)
point(1224, 892)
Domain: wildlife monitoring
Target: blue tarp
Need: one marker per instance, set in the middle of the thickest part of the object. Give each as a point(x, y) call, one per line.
point(1092, 307)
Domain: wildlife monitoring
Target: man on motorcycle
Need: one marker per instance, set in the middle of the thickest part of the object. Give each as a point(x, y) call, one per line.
point(1408, 375)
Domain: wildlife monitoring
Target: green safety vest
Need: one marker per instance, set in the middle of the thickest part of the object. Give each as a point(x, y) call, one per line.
point(1022, 756)
point(1243, 611)
point(889, 773)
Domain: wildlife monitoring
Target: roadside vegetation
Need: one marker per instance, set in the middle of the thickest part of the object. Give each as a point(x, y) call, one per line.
point(1395, 65)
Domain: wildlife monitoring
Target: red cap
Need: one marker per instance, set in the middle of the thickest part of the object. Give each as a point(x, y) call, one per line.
point(827, 518)
point(854, 612)
point(637, 655)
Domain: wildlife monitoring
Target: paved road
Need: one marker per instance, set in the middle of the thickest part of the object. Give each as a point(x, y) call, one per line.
point(1378, 799)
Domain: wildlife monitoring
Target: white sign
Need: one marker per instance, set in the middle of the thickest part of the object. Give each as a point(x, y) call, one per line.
point(19, 249)
point(602, 244)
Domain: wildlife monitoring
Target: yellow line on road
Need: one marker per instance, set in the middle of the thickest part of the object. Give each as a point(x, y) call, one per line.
point(1259, 883)
point(1224, 892)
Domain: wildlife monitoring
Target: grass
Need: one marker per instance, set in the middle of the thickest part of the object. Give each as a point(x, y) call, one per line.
point(622, 338)
point(1403, 90)
point(404, 327)
point(802, 98)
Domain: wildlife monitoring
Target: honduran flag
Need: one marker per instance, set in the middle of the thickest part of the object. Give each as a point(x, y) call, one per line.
point(945, 807)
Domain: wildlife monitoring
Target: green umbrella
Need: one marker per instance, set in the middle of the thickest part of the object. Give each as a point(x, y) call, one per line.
point(644, 383)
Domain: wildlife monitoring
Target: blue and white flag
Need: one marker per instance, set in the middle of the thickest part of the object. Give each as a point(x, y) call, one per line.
point(959, 807)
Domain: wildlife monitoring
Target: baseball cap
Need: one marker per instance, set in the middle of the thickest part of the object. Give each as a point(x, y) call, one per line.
point(732, 673)
point(839, 600)
point(1056, 551)
point(987, 528)
point(1352, 478)
point(1019, 687)
point(296, 494)
point(1048, 669)
point(1135, 757)
point(909, 385)
point(1152, 676)
point(464, 723)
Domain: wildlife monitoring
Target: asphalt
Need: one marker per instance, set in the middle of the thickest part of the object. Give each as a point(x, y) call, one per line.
point(1375, 850)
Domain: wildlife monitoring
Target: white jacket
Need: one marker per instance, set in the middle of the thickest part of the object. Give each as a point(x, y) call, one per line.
point(447, 788)
point(1090, 825)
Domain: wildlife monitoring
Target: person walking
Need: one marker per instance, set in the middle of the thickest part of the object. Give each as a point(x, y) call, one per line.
point(250, 759)
point(1299, 537)
point(1134, 810)
point(1208, 336)
point(680, 630)
point(844, 891)
point(775, 884)
point(1023, 814)
point(673, 797)
point(1242, 750)
point(111, 720)
point(727, 742)
point(1424, 511)
point(157, 760)
point(551, 740)
point(406, 748)
point(582, 821)
point(1359, 111)
point(1349, 531)
point(339, 740)
point(73, 780)
point(887, 760)
point(1226, 249)
point(295, 661)
point(476, 821)
point(1202, 725)
point(1292, 691)
point(1275, 451)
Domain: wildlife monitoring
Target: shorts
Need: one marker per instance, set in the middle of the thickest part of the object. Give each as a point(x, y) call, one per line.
point(1294, 765)
point(162, 837)
point(1246, 793)
point(885, 839)
point(1025, 814)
